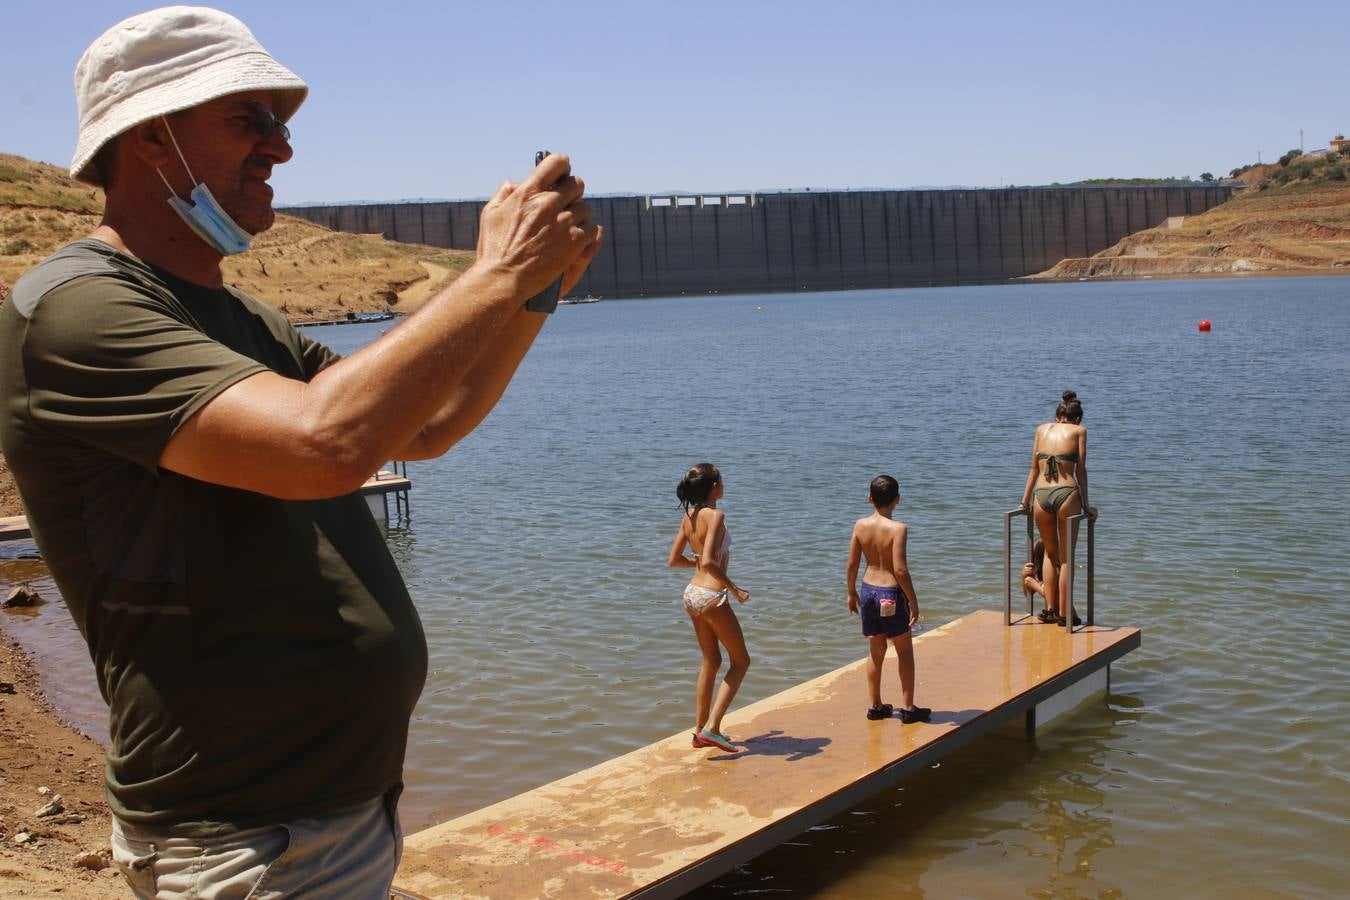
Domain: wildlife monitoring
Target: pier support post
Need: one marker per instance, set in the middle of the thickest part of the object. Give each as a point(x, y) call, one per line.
point(1049, 712)
point(1091, 689)
point(1046, 714)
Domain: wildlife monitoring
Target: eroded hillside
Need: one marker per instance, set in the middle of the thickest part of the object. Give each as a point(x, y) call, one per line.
point(1290, 219)
point(305, 270)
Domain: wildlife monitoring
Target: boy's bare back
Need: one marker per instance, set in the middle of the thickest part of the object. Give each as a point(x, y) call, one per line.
point(882, 541)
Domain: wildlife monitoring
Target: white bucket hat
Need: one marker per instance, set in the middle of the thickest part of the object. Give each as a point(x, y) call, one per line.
point(168, 60)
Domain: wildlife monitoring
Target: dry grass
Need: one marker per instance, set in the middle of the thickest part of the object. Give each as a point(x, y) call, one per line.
point(305, 270)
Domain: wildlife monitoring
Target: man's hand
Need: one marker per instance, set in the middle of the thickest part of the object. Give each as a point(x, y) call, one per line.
point(572, 274)
point(537, 230)
point(853, 601)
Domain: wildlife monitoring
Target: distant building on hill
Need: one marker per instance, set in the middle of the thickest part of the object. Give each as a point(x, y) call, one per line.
point(1339, 144)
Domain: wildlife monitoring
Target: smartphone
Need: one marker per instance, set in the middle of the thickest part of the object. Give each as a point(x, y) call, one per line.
point(546, 301)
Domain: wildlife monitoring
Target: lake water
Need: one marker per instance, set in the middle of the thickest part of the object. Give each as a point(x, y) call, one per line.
point(1220, 462)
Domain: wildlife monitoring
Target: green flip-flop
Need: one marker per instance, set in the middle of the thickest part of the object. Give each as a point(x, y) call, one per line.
point(713, 739)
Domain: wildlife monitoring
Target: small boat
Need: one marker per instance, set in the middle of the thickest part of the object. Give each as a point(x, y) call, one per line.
point(573, 301)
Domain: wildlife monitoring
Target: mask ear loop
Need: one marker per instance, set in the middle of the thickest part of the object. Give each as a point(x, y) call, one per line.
point(160, 172)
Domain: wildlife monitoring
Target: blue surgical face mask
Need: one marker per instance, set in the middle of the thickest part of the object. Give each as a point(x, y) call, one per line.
point(204, 215)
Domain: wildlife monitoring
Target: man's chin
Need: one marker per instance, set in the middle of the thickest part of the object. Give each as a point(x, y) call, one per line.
point(257, 224)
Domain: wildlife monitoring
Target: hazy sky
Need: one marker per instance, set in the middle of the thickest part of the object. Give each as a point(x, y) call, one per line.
point(446, 99)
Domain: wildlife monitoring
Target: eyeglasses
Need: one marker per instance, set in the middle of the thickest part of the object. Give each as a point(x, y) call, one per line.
point(265, 122)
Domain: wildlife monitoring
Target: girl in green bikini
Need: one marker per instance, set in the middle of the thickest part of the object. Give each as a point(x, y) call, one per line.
point(1058, 484)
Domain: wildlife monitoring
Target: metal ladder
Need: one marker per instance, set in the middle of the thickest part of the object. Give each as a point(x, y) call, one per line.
point(1073, 553)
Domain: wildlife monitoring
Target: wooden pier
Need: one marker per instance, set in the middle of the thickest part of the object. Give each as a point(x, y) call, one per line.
point(665, 819)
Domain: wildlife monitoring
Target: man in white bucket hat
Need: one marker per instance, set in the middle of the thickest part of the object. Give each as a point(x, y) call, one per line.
point(190, 464)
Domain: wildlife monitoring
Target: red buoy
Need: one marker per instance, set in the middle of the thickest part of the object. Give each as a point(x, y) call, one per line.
point(1204, 325)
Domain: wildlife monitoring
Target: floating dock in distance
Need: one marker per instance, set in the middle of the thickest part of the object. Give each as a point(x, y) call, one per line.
point(381, 485)
point(376, 490)
point(14, 528)
point(665, 819)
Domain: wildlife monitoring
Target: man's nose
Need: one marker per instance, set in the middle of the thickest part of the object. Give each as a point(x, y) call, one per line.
point(276, 148)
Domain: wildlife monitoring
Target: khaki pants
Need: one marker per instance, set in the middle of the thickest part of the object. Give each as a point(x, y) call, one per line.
point(349, 854)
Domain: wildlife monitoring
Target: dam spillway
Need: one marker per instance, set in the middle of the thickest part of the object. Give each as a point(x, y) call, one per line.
point(667, 245)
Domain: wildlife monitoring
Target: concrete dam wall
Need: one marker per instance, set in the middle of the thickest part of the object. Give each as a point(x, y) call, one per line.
point(814, 241)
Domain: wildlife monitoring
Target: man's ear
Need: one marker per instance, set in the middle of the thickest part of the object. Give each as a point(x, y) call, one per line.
point(149, 142)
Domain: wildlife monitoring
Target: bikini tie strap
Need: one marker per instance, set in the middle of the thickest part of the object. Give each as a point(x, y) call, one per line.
point(1051, 466)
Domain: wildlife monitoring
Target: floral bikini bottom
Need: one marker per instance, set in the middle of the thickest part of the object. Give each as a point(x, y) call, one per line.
point(700, 599)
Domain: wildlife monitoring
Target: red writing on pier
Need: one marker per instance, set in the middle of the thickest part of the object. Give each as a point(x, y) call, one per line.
point(548, 845)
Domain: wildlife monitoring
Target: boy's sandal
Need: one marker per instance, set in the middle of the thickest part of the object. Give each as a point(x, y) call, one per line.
point(1046, 616)
point(915, 714)
point(713, 739)
point(883, 711)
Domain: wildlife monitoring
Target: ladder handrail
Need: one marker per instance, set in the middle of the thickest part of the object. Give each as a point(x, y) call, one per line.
point(1073, 552)
point(1007, 559)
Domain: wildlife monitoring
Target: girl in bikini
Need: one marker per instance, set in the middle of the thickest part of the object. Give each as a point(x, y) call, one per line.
point(1058, 484)
point(704, 531)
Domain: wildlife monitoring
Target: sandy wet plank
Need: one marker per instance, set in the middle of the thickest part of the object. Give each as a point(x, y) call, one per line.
point(665, 818)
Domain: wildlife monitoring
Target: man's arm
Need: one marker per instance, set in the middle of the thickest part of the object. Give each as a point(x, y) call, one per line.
point(489, 375)
point(297, 440)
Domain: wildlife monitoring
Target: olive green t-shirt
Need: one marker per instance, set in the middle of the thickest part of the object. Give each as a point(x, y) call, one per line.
point(260, 657)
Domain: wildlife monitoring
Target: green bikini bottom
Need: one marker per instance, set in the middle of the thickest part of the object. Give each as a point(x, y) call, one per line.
point(1052, 498)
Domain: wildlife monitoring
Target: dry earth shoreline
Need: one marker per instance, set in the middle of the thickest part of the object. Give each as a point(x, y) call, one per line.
point(38, 750)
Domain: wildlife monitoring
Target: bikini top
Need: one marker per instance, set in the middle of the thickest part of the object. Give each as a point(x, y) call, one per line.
point(1052, 462)
point(723, 548)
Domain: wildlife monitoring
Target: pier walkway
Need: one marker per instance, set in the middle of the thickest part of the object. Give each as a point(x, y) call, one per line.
point(665, 819)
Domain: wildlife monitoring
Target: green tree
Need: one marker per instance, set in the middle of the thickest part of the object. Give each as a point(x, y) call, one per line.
point(1206, 176)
